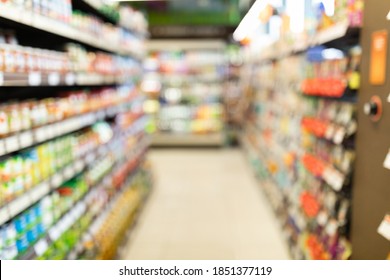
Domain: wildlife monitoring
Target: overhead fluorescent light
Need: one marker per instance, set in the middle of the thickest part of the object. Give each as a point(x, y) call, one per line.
point(250, 21)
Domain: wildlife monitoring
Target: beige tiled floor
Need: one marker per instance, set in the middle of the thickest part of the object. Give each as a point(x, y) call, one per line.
point(206, 204)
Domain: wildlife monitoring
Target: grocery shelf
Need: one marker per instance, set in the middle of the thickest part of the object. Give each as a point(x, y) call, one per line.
point(280, 49)
point(64, 223)
point(168, 139)
point(30, 19)
point(77, 211)
point(92, 6)
point(35, 136)
point(35, 79)
point(15, 207)
point(102, 213)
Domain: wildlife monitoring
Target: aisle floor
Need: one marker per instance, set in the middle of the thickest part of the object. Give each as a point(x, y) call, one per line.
point(206, 204)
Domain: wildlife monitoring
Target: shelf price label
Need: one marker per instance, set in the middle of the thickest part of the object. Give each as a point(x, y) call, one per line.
point(34, 79)
point(4, 215)
point(79, 165)
point(40, 134)
point(41, 247)
point(2, 148)
point(70, 79)
point(40, 191)
point(338, 138)
point(54, 233)
point(384, 227)
point(18, 205)
point(50, 131)
point(69, 172)
point(386, 163)
point(26, 139)
point(12, 144)
point(56, 180)
point(54, 79)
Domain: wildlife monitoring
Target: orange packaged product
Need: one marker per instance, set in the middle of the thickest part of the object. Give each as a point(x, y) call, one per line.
point(1, 58)
point(4, 128)
point(9, 59)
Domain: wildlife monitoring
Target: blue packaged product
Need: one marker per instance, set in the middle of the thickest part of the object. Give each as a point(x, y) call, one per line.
point(20, 223)
point(40, 228)
point(22, 243)
point(30, 217)
point(38, 211)
point(32, 235)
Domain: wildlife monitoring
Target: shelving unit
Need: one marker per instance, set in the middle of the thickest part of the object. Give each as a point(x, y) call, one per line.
point(55, 28)
point(300, 136)
point(189, 90)
point(49, 204)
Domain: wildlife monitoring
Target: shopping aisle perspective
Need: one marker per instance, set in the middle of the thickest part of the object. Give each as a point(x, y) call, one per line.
point(206, 204)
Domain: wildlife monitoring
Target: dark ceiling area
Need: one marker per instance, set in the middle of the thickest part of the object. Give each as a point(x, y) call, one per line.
point(194, 18)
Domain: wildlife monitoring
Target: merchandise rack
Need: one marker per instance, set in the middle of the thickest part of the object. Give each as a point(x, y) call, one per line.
point(35, 79)
point(18, 18)
point(284, 166)
point(195, 74)
point(55, 28)
point(78, 209)
point(337, 34)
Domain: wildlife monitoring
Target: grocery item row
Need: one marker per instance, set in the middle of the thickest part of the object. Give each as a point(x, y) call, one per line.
point(302, 145)
point(23, 231)
point(65, 11)
point(19, 116)
point(19, 59)
point(185, 90)
point(69, 157)
point(30, 168)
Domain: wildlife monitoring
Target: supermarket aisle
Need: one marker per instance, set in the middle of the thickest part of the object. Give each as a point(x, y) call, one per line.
point(205, 205)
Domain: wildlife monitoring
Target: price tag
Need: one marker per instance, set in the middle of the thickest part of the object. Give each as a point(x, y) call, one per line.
point(39, 191)
point(322, 218)
point(18, 205)
point(56, 129)
point(339, 136)
point(1, 78)
point(57, 180)
point(41, 247)
point(50, 131)
point(4, 215)
point(2, 148)
point(386, 164)
point(69, 172)
point(331, 227)
point(330, 132)
point(338, 181)
point(26, 139)
point(63, 127)
point(70, 79)
point(11, 144)
point(54, 233)
point(34, 79)
point(101, 115)
point(40, 134)
point(79, 165)
point(54, 79)
point(384, 228)
point(67, 222)
point(90, 158)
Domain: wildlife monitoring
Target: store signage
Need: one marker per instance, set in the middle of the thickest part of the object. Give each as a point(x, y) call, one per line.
point(176, 31)
point(384, 228)
point(378, 57)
